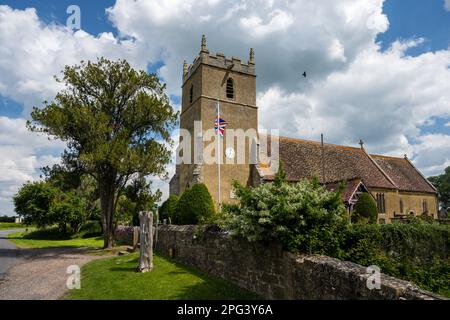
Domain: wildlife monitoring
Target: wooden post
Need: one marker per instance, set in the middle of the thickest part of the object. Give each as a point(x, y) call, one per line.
point(146, 239)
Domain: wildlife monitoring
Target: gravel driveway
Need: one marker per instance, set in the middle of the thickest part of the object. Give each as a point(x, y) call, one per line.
point(8, 253)
point(40, 274)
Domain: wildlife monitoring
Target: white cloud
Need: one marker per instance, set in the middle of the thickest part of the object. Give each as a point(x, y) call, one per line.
point(31, 53)
point(288, 36)
point(433, 153)
point(279, 21)
point(382, 98)
point(447, 5)
point(20, 158)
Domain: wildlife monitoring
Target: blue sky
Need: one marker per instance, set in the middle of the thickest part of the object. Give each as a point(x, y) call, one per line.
point(367, 78)
point(407, 19)
point(417, 18)
point(94, 20)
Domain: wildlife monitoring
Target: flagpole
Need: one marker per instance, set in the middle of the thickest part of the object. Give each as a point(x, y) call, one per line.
point(218, 147)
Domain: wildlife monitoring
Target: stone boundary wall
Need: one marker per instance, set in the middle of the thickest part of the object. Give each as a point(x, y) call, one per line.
point(126, 235)
point(276, 274)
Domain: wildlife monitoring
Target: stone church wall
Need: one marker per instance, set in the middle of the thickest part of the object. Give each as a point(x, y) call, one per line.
point(276, 274)
point(412, 201)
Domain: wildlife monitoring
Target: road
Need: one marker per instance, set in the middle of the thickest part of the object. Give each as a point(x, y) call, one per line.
point(9, 253)
point(35, 274)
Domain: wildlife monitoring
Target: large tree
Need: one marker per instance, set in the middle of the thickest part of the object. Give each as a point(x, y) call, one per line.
point(442, 184)
point(116, 122)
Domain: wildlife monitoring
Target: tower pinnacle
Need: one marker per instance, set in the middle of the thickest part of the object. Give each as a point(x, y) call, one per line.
point(252, 57)
point(185, 68)
point(203, 46)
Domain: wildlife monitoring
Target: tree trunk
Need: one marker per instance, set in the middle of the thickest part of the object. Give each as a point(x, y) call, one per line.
point(107, 207)
point(146, 240)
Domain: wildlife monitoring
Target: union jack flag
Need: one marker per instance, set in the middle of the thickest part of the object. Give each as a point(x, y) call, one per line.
point(219, 126)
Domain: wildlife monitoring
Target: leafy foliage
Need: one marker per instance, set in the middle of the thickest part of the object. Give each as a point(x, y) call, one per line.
point(168, 209)
point(33, 202)
point(69, 211)
point(365, 209)
point(116, 122)
point(417, 252)
point(195, 205)
point(140, 198)
point(42, 204)
point(442, 184)
point(300, 215)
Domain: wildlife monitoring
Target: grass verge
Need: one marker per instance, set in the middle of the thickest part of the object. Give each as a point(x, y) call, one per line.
point(45, 239)
point(116, 279)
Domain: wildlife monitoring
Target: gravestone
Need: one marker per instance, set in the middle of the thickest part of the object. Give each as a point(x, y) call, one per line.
point(146, 241)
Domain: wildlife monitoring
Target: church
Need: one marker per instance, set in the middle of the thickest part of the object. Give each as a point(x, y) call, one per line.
point(396, 185)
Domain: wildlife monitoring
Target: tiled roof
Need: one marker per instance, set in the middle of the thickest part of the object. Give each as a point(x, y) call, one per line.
point(404, 174)
point(303, 159)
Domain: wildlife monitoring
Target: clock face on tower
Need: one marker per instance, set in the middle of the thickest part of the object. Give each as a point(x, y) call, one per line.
point(229, 153)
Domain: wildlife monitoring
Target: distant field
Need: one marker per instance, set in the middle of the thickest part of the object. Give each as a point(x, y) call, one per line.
point(11, 225)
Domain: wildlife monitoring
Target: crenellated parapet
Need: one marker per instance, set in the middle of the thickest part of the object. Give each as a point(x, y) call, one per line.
point(219, 60)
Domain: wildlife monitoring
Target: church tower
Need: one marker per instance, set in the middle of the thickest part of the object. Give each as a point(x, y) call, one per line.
point(208, 81)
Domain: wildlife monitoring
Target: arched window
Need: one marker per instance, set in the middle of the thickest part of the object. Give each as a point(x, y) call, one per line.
point(230, 88)
point(191, 93)
point(425, 206)
point(381, 203)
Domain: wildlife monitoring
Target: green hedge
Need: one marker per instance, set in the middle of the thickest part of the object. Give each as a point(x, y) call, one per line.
point(195, 205)
point(365, 209)
point(416, 252)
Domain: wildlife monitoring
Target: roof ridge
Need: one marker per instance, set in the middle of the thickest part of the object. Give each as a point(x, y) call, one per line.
point(379, 168)
point(385, 156)
point(317, 142)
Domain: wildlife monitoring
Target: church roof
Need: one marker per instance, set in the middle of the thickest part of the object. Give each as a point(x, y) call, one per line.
point(404, 174)
point(303, 159)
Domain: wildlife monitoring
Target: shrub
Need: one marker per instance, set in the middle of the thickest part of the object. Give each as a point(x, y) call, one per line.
point(195, 205)
point(365, 209)
point(168, 210)
point(44, 205)
point(33, 201)
point(300, 215)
